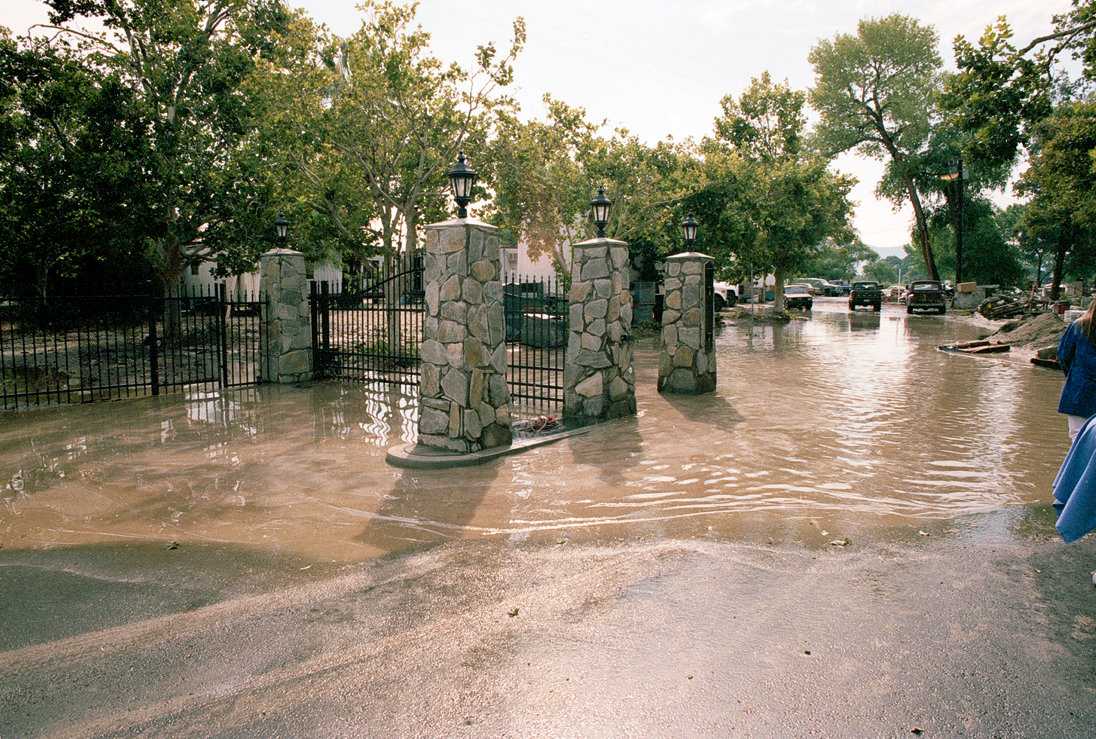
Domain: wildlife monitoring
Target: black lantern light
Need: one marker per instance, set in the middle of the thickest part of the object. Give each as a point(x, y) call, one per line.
point(281, 228)
point(600, 205)
point(688, 227)
point(461, 179)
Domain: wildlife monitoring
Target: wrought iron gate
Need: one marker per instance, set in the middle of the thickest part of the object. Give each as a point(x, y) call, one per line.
point(372, 332)
point(536, 336)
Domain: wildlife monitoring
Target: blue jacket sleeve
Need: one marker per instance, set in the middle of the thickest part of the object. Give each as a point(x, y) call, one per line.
point(1067, 346)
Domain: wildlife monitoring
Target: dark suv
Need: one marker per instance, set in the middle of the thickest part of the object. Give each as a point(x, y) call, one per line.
point(866, 294)
point(927, 295)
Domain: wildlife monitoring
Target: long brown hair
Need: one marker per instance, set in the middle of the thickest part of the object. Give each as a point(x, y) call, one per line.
point(1088, 321)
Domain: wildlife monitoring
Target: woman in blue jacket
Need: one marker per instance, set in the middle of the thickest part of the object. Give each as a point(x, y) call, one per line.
point(1077, 355)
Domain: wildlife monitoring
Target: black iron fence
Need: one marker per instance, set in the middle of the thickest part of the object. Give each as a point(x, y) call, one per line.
point(536, 337)
point(369, 333)
point(125, 343)
point(374, 334)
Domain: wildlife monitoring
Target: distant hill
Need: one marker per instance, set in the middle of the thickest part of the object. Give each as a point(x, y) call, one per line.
point(889, 251)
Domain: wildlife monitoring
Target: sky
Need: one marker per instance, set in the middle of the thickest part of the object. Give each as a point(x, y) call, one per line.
point(660, 67)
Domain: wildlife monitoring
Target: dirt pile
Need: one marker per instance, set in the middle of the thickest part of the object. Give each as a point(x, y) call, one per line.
point(1035, 333)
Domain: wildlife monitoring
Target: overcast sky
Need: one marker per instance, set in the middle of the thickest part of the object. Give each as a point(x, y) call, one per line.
point(660, 67)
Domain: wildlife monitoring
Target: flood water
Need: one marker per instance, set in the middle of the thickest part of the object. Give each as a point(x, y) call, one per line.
point(843, 425)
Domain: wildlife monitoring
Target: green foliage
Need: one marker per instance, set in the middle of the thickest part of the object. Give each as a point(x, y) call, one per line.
point(835, 260)
point(544, 174)
point(71, 139)
point(1062, 182)
point(875, 92)
point(882, 271)
point(184, 63)
point(398, 116)
point(997, 95)
point(773, 204)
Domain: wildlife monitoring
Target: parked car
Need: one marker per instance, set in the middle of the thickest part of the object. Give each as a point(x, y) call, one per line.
point(927, 295)
point(726, 295)
point(814, 285)
point(798, 297)
point(866, 293)
point(840, 287)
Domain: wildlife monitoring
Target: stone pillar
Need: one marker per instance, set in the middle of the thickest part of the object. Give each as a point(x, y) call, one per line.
point(464, 399)
point(687, 361)
point(288, 355)
point(599, 382)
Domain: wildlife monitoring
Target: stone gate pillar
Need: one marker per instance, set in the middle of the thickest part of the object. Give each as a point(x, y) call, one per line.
point(288, 354)
point(464, 399)
point(598, 378)
point(687, 360)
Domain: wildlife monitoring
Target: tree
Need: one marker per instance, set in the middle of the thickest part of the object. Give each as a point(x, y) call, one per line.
point(400, 116)
point(836, 260)
point(544, 174)
point(884, 271)
point(541, 188)
point(319, 188)
point(794, 203)
point(184, 62)
point(874, 92)
point(67, 145)
point(1062, 182)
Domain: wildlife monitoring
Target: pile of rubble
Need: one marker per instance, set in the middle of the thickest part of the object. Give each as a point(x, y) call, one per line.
point(1036, 332)
point(997, 307)
point(1036, 335)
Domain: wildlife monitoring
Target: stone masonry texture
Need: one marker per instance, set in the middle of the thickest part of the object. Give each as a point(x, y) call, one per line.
point(598, 377)
point(288, 337)
point(685, 364)
point(464, 398)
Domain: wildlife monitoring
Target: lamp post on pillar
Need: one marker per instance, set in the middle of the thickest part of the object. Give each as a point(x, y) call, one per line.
point(461, 179)
point(689, 227)
point(281, 229)
point(598, 376)
point(600, 206)
point(687, 360)
point(464, 398)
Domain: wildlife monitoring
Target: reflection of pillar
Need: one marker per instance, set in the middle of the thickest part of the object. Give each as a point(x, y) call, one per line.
point(288, 355)
point(687, 360)
point(598, 378)
point(465, 401)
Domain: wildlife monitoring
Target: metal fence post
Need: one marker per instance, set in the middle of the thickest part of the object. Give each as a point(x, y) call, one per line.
point(154, 309)
point(222, 331)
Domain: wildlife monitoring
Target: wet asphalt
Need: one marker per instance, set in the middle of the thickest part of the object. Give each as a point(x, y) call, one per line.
point(941, 635)
point(980, 624)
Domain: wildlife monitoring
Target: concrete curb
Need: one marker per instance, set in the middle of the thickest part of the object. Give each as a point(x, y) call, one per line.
point(419, 457)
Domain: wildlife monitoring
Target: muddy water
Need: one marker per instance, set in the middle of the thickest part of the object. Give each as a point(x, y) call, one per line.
point(838, 426)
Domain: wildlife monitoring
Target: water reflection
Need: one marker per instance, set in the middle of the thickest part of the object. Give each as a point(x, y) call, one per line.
point(837, 422)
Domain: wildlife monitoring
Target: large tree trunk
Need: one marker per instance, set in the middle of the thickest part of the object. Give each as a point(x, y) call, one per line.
point(779, 275)
point(922, 228)
point(915, 201)
point(1059, 264)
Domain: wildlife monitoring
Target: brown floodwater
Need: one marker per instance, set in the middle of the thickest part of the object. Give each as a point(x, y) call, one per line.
point(843, 425)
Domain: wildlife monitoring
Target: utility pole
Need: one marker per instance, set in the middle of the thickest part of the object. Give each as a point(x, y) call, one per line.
point(958, 175)
point(959, 232)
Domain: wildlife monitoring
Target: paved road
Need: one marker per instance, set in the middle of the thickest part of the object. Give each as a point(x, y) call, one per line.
point(950, 635)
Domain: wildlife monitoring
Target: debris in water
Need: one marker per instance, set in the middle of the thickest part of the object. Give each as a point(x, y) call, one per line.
point(976, 347)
